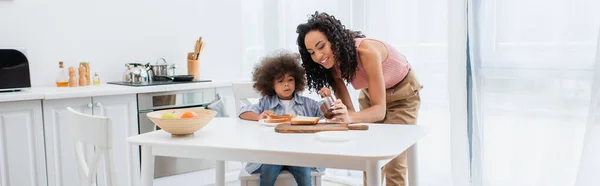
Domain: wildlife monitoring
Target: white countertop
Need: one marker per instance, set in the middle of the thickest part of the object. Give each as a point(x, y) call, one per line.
point(20, 96)
point(101, 90)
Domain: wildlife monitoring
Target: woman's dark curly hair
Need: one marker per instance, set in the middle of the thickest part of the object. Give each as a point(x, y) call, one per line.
point(275, 66)
point(342, 45)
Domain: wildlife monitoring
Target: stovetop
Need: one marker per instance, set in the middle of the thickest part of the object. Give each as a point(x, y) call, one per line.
point(154, 83)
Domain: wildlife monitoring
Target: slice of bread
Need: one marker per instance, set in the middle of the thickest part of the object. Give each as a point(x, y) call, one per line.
point(304, 120)
point(285, 116)
point(280, 120)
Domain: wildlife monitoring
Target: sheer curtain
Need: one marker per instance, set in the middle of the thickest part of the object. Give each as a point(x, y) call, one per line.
point(589, 164)
point(532, 63)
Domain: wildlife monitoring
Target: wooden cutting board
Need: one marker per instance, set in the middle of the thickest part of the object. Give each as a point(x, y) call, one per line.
point(289, 128)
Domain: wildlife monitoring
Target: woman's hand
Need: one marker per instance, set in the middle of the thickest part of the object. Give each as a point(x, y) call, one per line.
point(324, 92)
point(266, 114)
point(341, 112)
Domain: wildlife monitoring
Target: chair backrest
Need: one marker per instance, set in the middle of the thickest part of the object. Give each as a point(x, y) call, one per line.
point(96, 131)
point(242, 91)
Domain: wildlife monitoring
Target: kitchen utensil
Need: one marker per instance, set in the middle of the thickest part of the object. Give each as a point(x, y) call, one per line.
point(175, 78)
point(193, 67)
point(289, 128)
point(73, 77)
point(182, 126)
point(88, 76)
point(82, 79)
point(171, 71)
point(137, 73)
point(160, 69)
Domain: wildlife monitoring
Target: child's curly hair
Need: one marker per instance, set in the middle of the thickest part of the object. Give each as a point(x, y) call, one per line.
point(275, 66)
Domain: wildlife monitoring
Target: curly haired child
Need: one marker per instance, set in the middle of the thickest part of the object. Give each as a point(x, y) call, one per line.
point(279, 79)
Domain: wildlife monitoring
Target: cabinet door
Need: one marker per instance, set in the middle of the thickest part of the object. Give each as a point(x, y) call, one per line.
point(60, 149)
point(122, 110)
point(22, 158)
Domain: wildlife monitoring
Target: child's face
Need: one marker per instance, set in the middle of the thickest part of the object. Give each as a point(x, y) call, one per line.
point(284, 86)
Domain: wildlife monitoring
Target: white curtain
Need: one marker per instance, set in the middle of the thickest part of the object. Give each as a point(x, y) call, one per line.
point(418, 28)
point(589, 164)
point(532, 63)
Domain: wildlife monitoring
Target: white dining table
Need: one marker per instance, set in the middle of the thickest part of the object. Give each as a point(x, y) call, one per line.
point(233, 139)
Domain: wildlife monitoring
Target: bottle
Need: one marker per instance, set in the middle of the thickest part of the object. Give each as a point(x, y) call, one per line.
point(96, 79)
point(62, 77)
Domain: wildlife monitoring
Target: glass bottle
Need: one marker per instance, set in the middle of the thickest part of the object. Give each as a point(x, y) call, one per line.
point(62, 77)
point(96, 79)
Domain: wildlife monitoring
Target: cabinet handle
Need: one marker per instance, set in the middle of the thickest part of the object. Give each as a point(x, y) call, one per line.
point(98, 104)
point(89, 105)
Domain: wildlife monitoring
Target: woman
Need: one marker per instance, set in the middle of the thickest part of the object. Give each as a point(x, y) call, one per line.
point(389, 91)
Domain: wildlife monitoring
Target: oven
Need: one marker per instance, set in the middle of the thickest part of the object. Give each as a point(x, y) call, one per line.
point(167, 166)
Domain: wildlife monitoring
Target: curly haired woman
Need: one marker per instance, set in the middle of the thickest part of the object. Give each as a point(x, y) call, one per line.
point(389, 90)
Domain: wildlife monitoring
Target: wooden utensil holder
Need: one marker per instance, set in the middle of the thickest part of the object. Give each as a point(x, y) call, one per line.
point(193, 67)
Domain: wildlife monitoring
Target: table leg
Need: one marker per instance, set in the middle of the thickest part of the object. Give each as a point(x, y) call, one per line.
point(220, 172)
point(147, 166)
point(373, 173)
point(413, 167)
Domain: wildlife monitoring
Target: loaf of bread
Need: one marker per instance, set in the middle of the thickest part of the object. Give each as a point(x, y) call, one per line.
point(304, 120)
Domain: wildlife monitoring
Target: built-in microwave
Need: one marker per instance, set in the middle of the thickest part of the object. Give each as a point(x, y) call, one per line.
point(14, 70)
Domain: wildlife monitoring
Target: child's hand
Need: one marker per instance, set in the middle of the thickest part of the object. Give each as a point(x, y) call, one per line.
point(266, 114)
point(324, 92)
point(341, 112)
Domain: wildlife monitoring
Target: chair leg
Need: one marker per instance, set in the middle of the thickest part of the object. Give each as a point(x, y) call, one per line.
point(110, 173)
point(317, 180)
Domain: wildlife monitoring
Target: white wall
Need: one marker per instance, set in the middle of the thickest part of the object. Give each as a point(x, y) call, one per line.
point(110, 33)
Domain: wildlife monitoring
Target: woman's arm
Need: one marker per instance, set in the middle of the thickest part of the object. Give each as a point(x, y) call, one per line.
point(371, 55)
point(341, 91)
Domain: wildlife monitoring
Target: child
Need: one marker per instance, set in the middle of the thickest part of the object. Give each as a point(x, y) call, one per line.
point(278, 79)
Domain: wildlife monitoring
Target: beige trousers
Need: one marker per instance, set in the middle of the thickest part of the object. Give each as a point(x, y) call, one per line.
point(403, 102)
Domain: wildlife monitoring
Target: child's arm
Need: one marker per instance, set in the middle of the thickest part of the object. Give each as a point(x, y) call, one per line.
point(255, 111)
point(254, 116)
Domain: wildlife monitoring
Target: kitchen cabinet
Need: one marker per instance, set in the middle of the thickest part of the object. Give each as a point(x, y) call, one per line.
point(62, 167)
point(22, 160)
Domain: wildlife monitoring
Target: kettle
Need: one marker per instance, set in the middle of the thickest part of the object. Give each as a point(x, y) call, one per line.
point(137, 73)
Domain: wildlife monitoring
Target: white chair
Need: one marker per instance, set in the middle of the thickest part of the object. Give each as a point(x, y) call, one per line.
point(91, 130)
point(242, 92)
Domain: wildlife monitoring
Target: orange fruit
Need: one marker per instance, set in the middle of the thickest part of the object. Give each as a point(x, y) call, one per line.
point(189, 114)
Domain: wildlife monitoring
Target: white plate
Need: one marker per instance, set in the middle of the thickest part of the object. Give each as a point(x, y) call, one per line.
point(262, 121)
point(335, 136)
